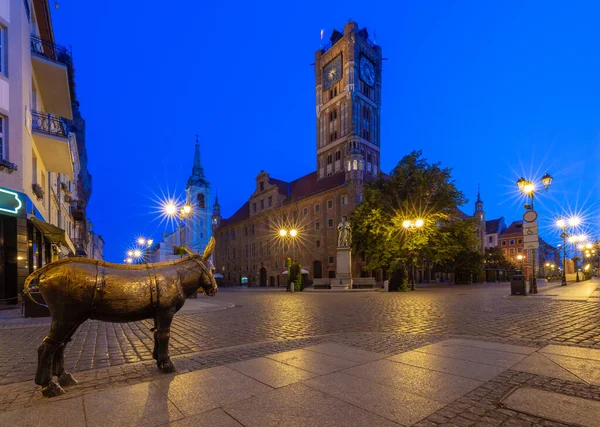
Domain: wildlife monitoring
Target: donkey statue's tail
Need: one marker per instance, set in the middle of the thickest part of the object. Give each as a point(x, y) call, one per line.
point(29, 279)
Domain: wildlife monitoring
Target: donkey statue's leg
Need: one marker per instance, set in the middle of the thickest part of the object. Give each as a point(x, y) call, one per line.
point(161, 336)
point(65, 379)
point(50, 345)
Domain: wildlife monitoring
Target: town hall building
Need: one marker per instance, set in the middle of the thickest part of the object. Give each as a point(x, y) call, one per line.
point(299, 219)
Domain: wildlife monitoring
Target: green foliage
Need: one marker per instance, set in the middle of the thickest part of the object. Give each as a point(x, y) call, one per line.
point(415, 190)
point(495, 258)
point(179, 250)
point(294, 273)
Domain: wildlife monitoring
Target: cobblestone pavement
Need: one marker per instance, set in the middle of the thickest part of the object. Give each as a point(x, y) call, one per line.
point(263, 317)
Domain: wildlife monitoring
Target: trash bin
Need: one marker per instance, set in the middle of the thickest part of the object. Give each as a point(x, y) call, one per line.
point(518, 286)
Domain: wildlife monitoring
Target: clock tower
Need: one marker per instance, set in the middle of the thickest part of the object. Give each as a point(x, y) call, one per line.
point(348, 89)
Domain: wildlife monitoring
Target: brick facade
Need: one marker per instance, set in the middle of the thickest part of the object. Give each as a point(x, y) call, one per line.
point(348, 105)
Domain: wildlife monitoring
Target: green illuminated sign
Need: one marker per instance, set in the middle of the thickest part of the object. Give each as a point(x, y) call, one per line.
point(9, 201)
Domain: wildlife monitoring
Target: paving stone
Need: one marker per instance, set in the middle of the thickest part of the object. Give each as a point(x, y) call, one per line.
point(271, 372)
point(345, 352)
point(463, 368)
point(554, 406)
point(299, 405)
point(214, 418)
point(473, 354)
point(394, 404)
point(65, 412)
point(587, 370)
point(583, 353)
point(200, 391)
point(423, 382)
point(311, 361)
point(141, 404)
point(540, 364)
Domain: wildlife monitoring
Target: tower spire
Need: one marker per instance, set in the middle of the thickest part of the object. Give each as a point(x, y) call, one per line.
point(197, 177)
point(479, 192)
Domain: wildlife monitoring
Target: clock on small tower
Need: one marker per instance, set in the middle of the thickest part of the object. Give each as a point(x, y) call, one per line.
point(332, 72)
point(367, 71)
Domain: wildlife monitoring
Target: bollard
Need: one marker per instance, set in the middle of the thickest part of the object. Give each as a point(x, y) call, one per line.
point(292, 286)
point(386, 286)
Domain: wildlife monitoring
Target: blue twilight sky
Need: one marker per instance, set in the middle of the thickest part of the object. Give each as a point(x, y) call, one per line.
point(494, 91)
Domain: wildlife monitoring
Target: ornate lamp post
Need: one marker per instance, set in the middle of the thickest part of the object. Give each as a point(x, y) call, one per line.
point(181, 213)
point(412, 225)
point(527, 188)
point(289, 235)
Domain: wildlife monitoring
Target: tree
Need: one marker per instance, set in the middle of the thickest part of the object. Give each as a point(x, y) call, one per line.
point(463, 259)
point(495, 259)
point(415, 190)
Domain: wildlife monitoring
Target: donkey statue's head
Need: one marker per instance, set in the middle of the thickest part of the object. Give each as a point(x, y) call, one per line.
point(206, 280)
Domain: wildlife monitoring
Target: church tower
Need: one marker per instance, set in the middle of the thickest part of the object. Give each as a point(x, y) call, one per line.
point(348, 100)
point(198, 228)
point(216, 216)
point(479, 216)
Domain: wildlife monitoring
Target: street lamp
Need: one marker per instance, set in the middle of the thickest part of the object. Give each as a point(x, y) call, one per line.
point(527, 188)
point(181, 213)
point(291, 235)
point(413, 225)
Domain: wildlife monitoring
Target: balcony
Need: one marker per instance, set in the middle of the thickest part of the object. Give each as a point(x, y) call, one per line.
point(81, 245)
point(51, 138)
point(50, 65)
point(78, 211)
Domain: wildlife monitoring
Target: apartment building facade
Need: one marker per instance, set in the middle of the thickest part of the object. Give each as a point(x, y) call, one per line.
point(42, 194)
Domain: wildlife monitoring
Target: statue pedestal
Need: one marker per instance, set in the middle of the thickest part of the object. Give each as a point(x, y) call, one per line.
point(343, 271)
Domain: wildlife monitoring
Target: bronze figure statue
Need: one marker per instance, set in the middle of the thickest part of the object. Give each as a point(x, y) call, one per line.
point(77, 289)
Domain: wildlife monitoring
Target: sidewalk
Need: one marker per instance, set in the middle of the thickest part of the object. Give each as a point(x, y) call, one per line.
point(588, 290)
point(455, 381)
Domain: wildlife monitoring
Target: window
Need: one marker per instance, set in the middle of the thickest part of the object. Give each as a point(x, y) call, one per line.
point(317, 208)
point(262, 203)
point(318, 244)
point(317, 225)
point(330, 222)
point(329, 159)
point(304, 211)
point(512, 250)
point(253, 253)
point(202, 235)
point(519, 250)
point(262, 186)
point(330, 260)
point(246, 251)
point(504, 243)
point(344, 200)
point(512, 242)
point(254, 207)
point(520, 241)
point(332, 115)
point(490, 239)
point(329, 204)
point(3, 139)
point(366, 134)
point(3, 55)
point(338, 155)
point(270, 201)
point(253, 229)
point(201, 201)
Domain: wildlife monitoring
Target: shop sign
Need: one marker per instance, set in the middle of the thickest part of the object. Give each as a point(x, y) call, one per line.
point(10, 201)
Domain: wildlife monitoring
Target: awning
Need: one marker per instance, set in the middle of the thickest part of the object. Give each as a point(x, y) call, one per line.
point(303, 272)
point(54, 234)
point(218, 276)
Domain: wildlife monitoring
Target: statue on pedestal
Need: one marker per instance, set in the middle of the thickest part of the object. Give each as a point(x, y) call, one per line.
point(344, 233)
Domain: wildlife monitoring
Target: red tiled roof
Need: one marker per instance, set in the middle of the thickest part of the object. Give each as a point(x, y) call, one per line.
point(301, 188)
point(240, 215)
point(516, 227)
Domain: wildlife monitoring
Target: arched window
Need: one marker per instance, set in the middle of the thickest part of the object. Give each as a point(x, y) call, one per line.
point(354, 164)
point(201, 201)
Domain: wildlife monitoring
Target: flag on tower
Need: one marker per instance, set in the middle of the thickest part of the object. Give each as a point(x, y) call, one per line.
point(322, 34)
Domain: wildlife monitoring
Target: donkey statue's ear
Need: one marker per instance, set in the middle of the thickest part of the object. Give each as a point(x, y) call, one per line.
point(208, 251)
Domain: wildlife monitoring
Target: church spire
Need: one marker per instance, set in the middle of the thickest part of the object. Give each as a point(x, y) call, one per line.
point(197, 178)
point(479, 202)
point(479, 192)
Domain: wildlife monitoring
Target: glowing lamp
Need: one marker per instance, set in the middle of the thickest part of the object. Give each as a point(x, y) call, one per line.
point(283, 232)
point(130, 253)
point(293, 232)
point(561, 223)
point(521, 184)
point(406, 223)
point(150, 241)
point(419, 223)
point(170, 208)
point(574, 221)
point(547, 181)
point(137, 253)
point(186, 209)
point(141, 241)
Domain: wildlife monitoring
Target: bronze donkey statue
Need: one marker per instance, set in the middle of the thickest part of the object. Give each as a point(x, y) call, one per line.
point(77, 289)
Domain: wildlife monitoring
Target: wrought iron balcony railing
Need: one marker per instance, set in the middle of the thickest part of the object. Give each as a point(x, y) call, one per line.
point(47, 123)
point(49, 50)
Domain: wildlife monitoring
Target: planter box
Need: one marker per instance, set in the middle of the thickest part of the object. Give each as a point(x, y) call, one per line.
point(31, 309)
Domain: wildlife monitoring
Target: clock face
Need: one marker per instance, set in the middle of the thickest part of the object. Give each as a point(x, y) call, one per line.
point(332, 72)
point(367, 71)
